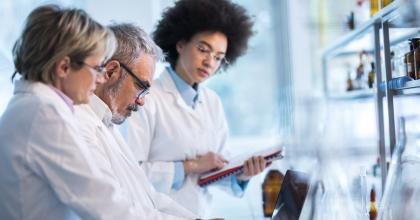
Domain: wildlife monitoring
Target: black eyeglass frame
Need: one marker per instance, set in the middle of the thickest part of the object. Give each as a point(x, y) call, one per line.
point(145, 85)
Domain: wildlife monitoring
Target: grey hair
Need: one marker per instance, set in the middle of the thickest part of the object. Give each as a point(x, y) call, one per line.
point(132, 42)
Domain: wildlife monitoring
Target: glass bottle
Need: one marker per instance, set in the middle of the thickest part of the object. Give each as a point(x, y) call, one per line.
point(373, 211)
point(416, 59)
point(349, 82)
point(409, 57)
point(271, 188)
point(384, 3)
point(371, 75)
point(374, 7)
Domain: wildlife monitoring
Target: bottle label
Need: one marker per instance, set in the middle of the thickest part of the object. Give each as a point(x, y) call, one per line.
point(409, 67)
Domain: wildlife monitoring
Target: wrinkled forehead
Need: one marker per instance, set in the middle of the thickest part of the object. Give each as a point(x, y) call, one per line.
point(144, 67)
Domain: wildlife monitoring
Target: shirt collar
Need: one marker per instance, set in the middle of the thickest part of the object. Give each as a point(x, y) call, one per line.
point(190, 94)
point(102, 110)
point(64, 97)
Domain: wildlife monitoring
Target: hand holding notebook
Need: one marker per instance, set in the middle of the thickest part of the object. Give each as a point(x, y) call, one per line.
point(235, 165)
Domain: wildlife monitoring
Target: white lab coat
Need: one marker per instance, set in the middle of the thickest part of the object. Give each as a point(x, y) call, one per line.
point(45, 169)
point(166, 129)
point(117, 162)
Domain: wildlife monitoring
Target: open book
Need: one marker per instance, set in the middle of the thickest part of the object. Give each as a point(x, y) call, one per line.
point(235, 165)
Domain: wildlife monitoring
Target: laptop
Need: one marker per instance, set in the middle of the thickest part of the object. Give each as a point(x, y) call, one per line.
point(292, 196)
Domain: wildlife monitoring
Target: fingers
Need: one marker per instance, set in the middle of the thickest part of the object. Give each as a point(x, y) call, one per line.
point(223, 159)
point(220, 161)
point(210, 161)
point(254, 166)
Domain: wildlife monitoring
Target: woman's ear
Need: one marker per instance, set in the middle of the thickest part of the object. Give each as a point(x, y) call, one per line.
point(62, 67)
point(180, 46)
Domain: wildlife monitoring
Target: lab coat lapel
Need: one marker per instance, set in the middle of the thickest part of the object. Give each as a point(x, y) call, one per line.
point(117, 152)
point(24, 86)
point(169, 86)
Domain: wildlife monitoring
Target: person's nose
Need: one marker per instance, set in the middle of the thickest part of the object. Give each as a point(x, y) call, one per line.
point(140, 101)
point(208, 62)
point(100, 78)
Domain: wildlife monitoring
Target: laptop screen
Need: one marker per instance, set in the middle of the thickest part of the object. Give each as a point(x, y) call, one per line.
point(291, 196)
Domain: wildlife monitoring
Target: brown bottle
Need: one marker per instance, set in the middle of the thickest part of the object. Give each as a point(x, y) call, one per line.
point(349, 82)
point(374, 7)
point(385, 3)
point(270, 189)
point(373, 212)
point(371, 75)
point(416, 59)
point(409, 57)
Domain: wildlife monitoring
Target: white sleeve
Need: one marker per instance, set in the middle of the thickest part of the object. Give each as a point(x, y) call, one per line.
point(63, 160)
point(140, 132)
point(165, 204)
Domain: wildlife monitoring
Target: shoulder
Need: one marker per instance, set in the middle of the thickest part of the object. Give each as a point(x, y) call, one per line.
point(86, 120)
point(210, 96)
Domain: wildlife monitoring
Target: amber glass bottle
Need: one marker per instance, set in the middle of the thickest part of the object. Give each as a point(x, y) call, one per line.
point(416, 59)
point(384, 3)
point(409, 57)
point(270, 190)
point(374, 7)
point(373, 212)
point(371, 75)
point(349, 82)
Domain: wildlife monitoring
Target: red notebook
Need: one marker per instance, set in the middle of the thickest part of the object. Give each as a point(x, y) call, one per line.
point(235, 165)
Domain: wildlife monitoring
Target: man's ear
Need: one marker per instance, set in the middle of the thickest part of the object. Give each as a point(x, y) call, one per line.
point(113, 70)
point(62, 67)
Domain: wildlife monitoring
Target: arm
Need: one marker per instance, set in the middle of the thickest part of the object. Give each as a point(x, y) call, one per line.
point(57, 155)
point(140, 132)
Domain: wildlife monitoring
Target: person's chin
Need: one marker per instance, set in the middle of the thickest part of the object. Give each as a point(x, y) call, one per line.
point(80, 101)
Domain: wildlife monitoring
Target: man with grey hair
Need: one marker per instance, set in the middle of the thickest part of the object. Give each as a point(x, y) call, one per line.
point(127, 81)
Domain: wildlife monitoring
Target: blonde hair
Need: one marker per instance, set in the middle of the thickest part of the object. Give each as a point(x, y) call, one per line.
point(52, 33)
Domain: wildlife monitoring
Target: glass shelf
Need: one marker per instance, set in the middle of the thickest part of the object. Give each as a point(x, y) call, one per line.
point(362, 38)
point(410, 88)
point(355, 94)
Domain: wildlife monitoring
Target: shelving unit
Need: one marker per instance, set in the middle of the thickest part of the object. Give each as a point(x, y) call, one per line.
point(374, 37)
point(410, 88)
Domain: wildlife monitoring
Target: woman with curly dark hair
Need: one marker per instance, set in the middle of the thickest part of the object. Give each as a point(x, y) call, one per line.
point(181, 132)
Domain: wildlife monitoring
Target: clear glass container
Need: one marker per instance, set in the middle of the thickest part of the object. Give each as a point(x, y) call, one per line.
point(401, 198)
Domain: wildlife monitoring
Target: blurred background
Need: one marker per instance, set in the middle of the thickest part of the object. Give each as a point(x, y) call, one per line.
point(305, 83)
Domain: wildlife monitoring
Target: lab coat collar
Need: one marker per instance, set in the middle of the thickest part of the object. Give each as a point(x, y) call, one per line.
point(169, 86)
point(102, 110)
point(43, 90)
point(188, 93)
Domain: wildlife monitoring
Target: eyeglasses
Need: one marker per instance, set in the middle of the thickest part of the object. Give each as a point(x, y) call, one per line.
point(145, 87)
point(100, 69)
point(207, 53)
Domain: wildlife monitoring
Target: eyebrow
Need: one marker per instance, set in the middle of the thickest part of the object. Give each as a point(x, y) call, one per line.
point(208, 45)
point(142, 82)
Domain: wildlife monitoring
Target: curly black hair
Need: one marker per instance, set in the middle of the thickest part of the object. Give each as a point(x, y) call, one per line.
point(189, 17)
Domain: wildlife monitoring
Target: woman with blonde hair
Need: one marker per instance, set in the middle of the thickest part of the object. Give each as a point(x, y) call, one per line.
point(46, 171)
